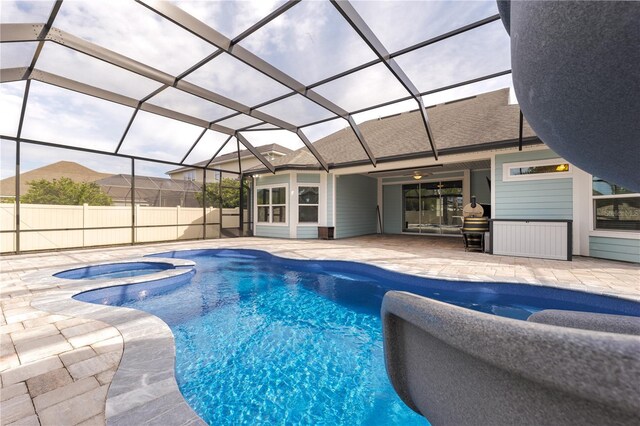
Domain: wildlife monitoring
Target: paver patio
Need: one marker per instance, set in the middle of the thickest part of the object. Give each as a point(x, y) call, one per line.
point(57, 369)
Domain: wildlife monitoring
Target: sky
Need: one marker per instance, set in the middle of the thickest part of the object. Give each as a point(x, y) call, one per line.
point(310, 42)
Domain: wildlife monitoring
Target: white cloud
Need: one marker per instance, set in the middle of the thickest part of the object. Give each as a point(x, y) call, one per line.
point(32, 12)
point(319, 131)
point(281, 137)
point(186, 103)
point(229, 17)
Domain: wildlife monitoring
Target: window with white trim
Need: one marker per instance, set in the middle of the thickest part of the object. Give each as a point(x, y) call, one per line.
point(554, 168)
point(272, 204)
point(308, 197)
point(190, 175)
point(614, 208)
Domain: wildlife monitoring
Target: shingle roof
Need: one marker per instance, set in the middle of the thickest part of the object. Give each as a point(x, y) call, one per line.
point(69, 169)
point(486, 118)
point(234, 155)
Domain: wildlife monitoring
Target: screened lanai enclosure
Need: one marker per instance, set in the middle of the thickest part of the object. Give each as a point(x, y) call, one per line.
point(101, 100)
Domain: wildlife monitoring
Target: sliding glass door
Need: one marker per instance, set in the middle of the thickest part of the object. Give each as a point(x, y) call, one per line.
point(432, 207)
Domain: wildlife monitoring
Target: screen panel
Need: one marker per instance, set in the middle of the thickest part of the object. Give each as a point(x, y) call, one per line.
point(399, 24)
point(229, 77)
point(70, 118)
point(309, 42)
point(207, 146)
point(160, 138)
point(20, 11)
point(477, 53)
point(17, 55)
point(74, 65)
point(186, 103)
point(147, 38)
point(297, 110)
point(229, 17)
point(11, 96)
point(239, 121)
point(370, 86)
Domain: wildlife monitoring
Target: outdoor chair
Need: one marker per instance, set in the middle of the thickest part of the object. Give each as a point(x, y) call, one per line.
point(462, 367)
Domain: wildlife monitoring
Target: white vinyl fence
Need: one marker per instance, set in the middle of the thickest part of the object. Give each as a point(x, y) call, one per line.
point(46, 227)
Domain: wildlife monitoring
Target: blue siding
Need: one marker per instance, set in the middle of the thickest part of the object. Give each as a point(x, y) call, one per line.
point(615, 248)
point(308, 178)
point(356, 199)
point(307, 232)
point(272, 179)
point(479, 186)
point(272, 231)
point(392, 208)
point(532, 199)
point(330, 220)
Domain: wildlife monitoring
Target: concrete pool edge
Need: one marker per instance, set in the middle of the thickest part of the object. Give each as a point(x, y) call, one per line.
point(134, 325)
point(144, 387)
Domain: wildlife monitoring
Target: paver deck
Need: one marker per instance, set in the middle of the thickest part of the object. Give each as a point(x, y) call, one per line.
point(57, 369)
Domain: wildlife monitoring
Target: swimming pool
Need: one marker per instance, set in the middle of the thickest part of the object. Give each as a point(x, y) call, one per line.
point(261, 339)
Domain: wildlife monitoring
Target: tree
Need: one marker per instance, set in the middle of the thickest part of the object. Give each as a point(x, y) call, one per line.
point(230, 194)
point(65, 191)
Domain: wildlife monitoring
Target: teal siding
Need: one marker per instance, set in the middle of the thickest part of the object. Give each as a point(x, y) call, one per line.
point(627, 250)
point(272, 179)
point(307, 232)
point(356, 199)
point(272, 231)
point(479, 186)
point(308, 178)
point(330, 221)
point(532, 199)
point(392, 208)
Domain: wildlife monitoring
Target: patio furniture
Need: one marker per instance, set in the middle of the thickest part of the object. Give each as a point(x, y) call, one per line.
point(462, 367)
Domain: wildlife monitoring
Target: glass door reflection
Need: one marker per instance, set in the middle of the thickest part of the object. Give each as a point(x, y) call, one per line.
point(432, 207)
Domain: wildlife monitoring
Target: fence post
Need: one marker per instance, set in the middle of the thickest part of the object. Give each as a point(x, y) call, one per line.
point(177, 221)
point(85, 208)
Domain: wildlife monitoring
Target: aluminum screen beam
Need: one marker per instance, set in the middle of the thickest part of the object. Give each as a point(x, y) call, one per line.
point(255, 152)
point(181, 18)
point(360, 26)
point(218, 151)
point(312, 149)
point(193, 146)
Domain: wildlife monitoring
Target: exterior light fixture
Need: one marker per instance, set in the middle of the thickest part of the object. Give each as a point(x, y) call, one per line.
point(562, 168)
point(417, 176)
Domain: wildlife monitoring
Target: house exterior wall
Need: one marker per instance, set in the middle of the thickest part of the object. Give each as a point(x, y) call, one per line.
point(531, 199)
point(356, 199)
point(624, 249)
point(392, 208)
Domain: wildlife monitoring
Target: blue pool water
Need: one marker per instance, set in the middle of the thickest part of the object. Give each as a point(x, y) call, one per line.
point(114, 270)
point(264, 340)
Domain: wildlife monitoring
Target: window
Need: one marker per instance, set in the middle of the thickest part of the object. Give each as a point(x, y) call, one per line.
point(190, 175)
point(554, 168)
point(272, 204)
point(308, 204)
point(614, 207)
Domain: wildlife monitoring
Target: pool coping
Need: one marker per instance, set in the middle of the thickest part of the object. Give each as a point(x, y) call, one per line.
point(144, 387)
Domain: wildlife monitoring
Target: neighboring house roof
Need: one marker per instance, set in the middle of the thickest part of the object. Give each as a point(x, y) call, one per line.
point(233, 156)
point(152, 190)
point(471, 122)
point(69, 169)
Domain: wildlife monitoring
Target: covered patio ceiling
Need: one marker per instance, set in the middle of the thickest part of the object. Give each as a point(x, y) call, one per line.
point(177, 82)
